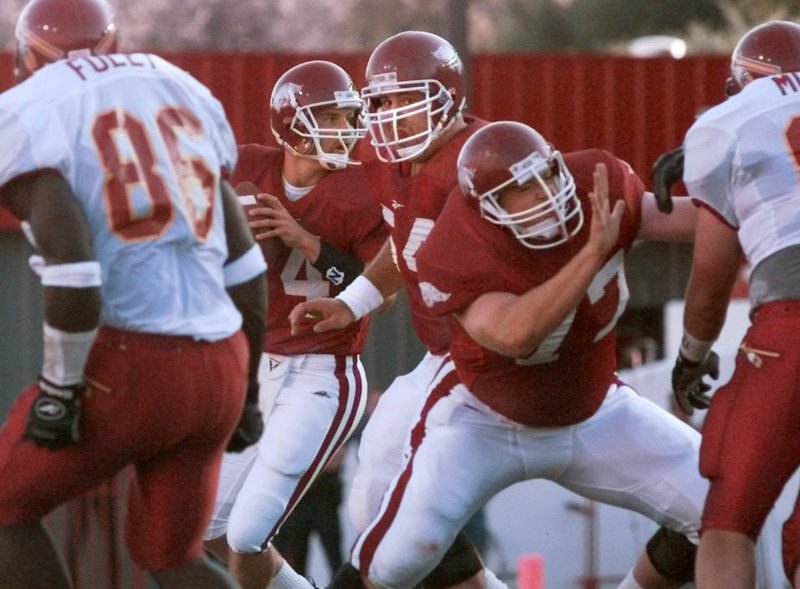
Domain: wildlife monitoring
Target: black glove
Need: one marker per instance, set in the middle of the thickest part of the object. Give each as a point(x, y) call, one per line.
point(667, 170)
point(54, 418)
point(251, 423)
point(687, 382)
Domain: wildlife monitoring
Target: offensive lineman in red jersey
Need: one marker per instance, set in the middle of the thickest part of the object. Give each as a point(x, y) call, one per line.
point(526, 260)
point(414, 111)
point(317, 229)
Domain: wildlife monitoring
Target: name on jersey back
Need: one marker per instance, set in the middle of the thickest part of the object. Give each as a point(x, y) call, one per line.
point(98, 64)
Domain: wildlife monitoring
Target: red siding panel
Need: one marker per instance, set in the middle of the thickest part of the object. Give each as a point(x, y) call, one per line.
point(636, 108)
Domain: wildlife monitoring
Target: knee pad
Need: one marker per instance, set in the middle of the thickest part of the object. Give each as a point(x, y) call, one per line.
point(459, 563)
point(672, 555)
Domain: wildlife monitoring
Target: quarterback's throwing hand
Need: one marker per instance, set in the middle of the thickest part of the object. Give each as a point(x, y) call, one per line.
point(690, 391)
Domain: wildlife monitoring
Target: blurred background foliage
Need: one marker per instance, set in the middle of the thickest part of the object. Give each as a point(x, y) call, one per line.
point(707, 26)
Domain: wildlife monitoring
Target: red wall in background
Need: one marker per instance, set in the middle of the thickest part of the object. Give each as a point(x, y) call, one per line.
point(636, 108)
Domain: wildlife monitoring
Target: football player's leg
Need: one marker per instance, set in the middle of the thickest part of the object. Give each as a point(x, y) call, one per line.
point(750, 450)
point(314, 414)
point(648, 465)
point(459, 458)
point(381, 449)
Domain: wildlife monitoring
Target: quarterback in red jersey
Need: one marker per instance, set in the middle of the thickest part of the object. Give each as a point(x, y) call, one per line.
point(414, 112)
point(317, 228)
point(526, 261)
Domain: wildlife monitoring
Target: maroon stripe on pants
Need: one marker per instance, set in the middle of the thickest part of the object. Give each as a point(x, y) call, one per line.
point(378, 530)
point(346, 412)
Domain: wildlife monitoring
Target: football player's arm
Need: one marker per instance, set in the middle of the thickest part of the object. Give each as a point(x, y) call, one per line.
point(715, 266)
point(516, 326)
point(716, 262)
point(71, 279)
point(273, 220)
point(380, 280)
point(246, 283)
point(678, 225)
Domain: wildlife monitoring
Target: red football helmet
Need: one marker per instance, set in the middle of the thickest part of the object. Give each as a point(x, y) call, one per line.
point(768, 49)
point(298, 94)
point(412, 61)
point(508, 154)
point(49, 30)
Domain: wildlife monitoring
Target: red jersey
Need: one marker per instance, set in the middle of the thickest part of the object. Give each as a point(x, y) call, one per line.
point(411, 205)
point(565, 380)
point(339, 210)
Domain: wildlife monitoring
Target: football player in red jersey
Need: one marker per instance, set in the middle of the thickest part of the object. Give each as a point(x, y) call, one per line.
point(415, 96)
point(317, 228)
point(530, 388)
point(154, 296)
point(741, 167)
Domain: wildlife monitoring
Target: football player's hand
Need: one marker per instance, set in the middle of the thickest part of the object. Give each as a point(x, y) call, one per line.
point(604, 232)
point(667, 170)
point(54, 418)
point(269, 218)
point(688, 386)
point(249, 429)
point(322, 314)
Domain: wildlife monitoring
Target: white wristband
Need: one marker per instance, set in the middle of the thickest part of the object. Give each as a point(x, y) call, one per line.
point(693, 349)
point(65, 355)
point(72, 275)
point(247, 266)
point(361, 296)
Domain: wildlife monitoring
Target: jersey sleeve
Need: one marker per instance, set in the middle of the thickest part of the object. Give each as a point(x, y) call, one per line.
point(33, 139)
point(708, 157)
point(452, 277)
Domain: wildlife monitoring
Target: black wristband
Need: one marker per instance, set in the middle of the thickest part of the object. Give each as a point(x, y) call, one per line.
point(336, 266)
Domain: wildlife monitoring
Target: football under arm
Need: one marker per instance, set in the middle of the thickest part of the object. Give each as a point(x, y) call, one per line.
point(245, 280)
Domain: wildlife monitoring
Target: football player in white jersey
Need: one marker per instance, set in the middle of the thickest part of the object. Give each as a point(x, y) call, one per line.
point(317, 228)
point(741, 166)
point(154, 290)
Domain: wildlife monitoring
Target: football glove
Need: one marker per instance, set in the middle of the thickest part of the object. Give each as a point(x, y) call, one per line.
point(54, 418)
point(667, 170)
point(251, 424)
point(690, 391)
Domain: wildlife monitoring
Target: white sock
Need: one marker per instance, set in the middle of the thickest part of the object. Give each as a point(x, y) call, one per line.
point(288, 578)
point(629, 582)
point(492, 582)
